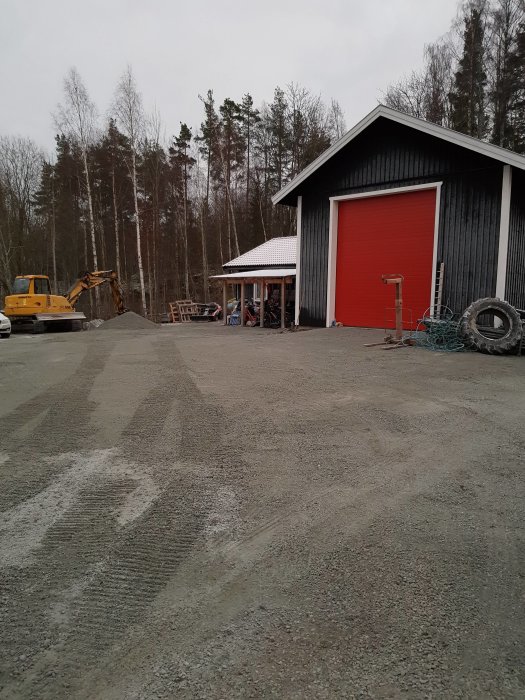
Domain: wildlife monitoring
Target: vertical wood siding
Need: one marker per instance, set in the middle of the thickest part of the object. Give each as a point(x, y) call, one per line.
point(391, 155)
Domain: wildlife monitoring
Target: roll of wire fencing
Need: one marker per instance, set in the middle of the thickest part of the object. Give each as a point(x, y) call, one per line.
point(439, 334)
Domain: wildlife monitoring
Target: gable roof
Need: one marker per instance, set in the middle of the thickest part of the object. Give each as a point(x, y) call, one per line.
point(441, 132)
point(276, 251)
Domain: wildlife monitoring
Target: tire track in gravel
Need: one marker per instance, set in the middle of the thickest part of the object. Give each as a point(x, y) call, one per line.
point(101, 579)
point(66, 411)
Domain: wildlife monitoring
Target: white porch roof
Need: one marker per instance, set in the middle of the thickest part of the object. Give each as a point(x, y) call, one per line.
point(277, 251)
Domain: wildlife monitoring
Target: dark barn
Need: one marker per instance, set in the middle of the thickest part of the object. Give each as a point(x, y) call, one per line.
point(399, 195)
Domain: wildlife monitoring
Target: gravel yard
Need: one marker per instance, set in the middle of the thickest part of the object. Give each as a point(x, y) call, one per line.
point(212, 512)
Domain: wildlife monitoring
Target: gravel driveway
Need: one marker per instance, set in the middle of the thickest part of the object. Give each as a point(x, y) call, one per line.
point(210, 512)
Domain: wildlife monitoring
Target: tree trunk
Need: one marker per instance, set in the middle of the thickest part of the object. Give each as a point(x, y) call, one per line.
point(53, 239)
point(155, 290)
point(115, 218)
point(156, 229)
point(91, 227)
point(228, 227)
point(102, 237)
point(204, 257)
point(124, 255)
point(137, 230)
point(186, 265)
point(221, 252)
point(86, 262)
point(262, 218)
point(148, 264)
point(248, 165)
point(230, 210)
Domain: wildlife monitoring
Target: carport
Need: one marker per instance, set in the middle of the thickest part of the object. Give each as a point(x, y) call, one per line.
point(259, 277)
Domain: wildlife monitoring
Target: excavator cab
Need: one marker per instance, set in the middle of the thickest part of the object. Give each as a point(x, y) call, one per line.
point(31, 284)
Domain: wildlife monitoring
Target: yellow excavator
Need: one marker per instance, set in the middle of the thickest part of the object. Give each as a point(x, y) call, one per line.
point(31, 307)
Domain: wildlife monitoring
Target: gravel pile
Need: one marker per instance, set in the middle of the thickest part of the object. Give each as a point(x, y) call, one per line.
point(130, 321)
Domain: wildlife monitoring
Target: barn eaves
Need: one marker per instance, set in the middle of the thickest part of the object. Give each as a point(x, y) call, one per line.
point(500, 154)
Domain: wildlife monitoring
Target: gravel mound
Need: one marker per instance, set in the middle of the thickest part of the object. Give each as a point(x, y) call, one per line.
point(130, 321)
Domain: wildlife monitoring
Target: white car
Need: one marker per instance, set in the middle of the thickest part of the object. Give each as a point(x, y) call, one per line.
point(5, 326)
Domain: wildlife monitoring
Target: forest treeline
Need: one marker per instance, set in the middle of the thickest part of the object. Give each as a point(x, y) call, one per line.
point(164, 216)
point(473, 79)
point(167, 215)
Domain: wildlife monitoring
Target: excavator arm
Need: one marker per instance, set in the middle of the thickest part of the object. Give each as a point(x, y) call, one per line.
point(89, 280)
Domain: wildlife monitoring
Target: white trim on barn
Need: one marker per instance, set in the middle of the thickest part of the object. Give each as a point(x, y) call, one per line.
point(503, 245)
point(298, 260)
point(332, 261)
point(332, 237)
point(435, 251)
point(473, 144)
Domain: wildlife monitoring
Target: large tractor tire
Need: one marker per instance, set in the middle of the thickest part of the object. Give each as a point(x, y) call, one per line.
point(502, 340)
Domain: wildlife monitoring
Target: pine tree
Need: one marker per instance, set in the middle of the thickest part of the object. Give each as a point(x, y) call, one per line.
point(181, 162)
point(117, 145)
point(506, 17)
point(249, 120)
point(72, 255)
point(230, 148)
point(468, 94)
point(45, 207)
point(280, 139)
point(517, 110)
point(208, 137)
point(208, 150)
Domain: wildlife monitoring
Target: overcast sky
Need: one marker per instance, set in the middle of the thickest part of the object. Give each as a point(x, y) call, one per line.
point(347, 49)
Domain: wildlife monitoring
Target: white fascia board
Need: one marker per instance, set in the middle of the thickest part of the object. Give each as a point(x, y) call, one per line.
point(440, 132)
point(298, 260)
point(503, 245)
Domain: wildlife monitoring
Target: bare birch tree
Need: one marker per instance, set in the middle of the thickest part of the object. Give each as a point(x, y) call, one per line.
point(200, 198)
point(20, 165)
point(130, 116)
point(77, 119)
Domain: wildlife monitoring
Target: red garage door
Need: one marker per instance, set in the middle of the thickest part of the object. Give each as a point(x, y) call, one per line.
point(384, 235)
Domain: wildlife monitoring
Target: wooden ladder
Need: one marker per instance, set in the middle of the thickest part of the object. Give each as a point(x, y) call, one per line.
point(438, 291)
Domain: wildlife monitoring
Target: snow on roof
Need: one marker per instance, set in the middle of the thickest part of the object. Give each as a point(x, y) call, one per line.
point(276, 251)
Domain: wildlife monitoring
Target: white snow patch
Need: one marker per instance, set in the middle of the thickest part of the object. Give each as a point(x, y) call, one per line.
point(223, 517)
point(23, 527)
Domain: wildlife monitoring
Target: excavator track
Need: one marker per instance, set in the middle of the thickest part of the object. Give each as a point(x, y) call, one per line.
point(48, 322)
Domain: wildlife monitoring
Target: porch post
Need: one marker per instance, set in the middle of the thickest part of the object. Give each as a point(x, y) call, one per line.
point(283, 302)
point(224, 304)
point(261, 308)
point(242, 302)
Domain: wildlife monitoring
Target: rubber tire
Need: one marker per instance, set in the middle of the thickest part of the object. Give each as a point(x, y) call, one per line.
point(505, 345)
point(5, 335)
